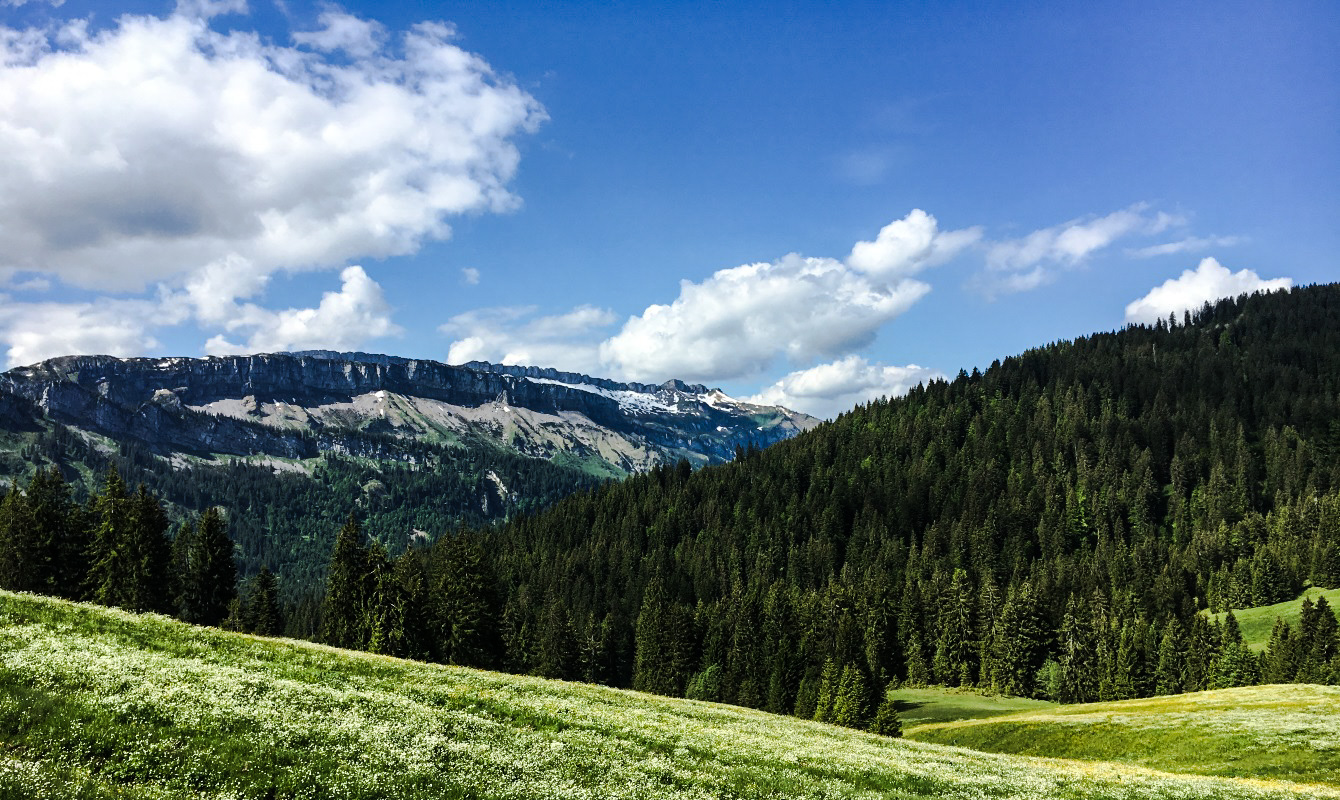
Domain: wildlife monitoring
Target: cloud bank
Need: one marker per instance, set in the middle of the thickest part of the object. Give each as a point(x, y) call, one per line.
point(829, 389)
point(1208, 282)
point(161, 153)
point(739, 321)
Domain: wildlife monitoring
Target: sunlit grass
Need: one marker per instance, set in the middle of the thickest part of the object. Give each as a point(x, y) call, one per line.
point(1290, 732)
point(97, 703)
point(1256, 623)
point(939, 704)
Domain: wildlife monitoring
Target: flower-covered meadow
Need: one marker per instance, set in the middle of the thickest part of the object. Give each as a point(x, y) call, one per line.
point(99, 703)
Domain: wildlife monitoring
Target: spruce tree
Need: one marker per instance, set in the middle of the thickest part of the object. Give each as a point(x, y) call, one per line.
point(466, 602)
point(111, 566)
point(211, 572)
point(150, 586)
point(262, 614)
point(185, 591)
point(347, 593)
point(1077, 682)
point(385, 614)
point(1279, 663)
point(1169, 674)
point(830, 683)
point(886, 721)
point(16, 545)
point(850, 704)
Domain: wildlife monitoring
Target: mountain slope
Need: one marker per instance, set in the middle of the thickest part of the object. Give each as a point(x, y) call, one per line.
point(95, 702)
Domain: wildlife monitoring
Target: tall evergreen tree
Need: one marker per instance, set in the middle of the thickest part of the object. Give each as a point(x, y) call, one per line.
point(262, 613)
point(210, 579)
point(347, 590)
point(1170, 673)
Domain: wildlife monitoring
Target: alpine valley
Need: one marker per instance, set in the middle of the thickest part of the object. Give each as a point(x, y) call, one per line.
point(290, 443)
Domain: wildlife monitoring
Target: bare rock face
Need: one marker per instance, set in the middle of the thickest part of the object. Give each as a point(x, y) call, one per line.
point(300, 405)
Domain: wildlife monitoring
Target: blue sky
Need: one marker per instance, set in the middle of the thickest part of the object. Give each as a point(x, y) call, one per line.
point(646, 195)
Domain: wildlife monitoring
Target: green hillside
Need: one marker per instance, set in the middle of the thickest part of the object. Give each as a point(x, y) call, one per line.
point(98, 703)
point(923, 706)
point(1257, 622)
point(1288, 732)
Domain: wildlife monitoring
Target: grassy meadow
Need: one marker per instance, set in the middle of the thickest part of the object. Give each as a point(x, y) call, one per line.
point(1256, 623)
point(97, 703)
point(938, 704)
point(1288, 732)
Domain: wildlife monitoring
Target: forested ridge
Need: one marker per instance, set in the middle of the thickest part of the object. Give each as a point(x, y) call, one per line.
point(1054, 526)
point(1049, 527)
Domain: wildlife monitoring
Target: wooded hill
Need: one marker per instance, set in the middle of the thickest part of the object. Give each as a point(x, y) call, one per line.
point(1048, 527)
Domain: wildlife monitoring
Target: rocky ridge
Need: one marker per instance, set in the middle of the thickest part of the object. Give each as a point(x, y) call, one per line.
point(307, 404)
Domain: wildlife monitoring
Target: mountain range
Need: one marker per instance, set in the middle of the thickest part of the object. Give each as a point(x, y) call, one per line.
point(289, 443)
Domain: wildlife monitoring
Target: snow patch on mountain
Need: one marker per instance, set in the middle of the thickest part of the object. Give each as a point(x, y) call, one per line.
point(629, 401)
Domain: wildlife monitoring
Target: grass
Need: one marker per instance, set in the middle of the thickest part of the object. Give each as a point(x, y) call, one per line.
point(97, 703)
point(1256, 623)
point(937, 704)
point(1287, 732)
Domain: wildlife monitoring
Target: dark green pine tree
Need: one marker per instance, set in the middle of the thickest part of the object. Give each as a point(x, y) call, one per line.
point(385, 611)
point(111, 566)
point(1077, 680)
point(886, 721)
point(830, 683)
point(1200, 653)
point(343, 622)
point(1317, 642)
point(262, 613)
point(1018, 643)
point(211, 572)
point(412, 576)
point(663, 657)
point(1170, 673)
point(953, 664)
point(555, 651)
point(184, 598)
point(16, 542)
point(1236, 664)
point(1279, 663)
point(55, 536)
point(150, 553)
point(466, 596)
point(851, 704)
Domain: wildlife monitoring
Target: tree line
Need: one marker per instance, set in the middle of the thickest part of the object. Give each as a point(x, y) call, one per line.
point(116, 549)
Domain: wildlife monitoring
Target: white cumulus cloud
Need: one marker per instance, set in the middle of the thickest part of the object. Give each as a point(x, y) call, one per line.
point(737, 322)
point(515, 335)
point(160, 155)
point(38, 331)
point(1208, 282)
point(909, 245)
point(829, 389)
point(470, 276)
point(343, 321)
